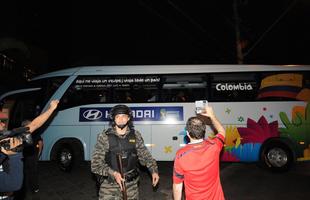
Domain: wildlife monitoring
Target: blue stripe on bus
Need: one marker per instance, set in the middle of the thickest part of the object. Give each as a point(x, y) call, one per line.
point(161, 113)
point(281, 88)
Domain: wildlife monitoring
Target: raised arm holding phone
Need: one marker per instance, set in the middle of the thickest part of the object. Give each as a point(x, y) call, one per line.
point(198, 161)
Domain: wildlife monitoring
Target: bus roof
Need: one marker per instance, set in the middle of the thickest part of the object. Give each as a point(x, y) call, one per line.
point(169, 69)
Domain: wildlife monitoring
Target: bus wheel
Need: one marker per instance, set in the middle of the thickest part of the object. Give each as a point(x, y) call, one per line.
point(67, 153)
point(65, 158)
point(277, 156)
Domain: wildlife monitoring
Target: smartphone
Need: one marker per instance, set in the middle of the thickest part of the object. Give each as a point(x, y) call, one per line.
point(200, 106)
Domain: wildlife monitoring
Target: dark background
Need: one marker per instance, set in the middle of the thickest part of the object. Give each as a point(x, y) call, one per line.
point(41, 36)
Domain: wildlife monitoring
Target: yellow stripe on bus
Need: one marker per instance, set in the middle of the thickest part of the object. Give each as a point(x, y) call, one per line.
point(282, 80)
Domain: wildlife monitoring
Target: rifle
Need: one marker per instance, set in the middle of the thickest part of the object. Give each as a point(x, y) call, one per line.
point(121, 171)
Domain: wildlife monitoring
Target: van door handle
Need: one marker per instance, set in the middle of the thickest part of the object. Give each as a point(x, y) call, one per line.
point(175, 138)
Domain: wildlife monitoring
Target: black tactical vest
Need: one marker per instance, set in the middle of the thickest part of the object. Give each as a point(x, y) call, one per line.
point(124, 146)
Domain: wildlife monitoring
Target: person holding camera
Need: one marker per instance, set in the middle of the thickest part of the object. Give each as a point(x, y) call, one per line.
point(31, 154)
point(120, 149)
point(11, 166)
point(197, 164)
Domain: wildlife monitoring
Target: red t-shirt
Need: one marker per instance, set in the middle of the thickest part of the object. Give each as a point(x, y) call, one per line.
point(198, 166)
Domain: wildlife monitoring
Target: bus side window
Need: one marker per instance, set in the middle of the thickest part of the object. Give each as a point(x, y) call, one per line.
point(284, 86)
point(152, 97)
point(82, 92)
point(48, 87)
point(234, 87)
point(128, 97)
point(180, 97)
point(27, 106)
point(184, 88)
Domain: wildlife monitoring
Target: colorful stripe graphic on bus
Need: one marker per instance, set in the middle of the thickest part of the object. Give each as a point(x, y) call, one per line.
point(289, 85)
point(162, 113)
point(244, 143)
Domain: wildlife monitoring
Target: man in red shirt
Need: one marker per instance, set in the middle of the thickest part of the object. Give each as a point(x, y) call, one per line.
point(197, 164)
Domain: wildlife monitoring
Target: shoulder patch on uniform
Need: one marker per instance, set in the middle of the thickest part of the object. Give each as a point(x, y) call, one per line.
point(132, 140)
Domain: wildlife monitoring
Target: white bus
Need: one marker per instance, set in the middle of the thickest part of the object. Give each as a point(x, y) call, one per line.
point(265, 109)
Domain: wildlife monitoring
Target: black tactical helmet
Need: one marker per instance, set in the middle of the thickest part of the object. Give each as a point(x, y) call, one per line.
point(120, 109)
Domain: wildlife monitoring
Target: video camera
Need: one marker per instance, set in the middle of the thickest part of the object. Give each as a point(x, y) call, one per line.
point(21, 133)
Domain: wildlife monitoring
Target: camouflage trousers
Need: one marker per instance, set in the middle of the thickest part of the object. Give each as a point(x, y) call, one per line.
point(112, 191)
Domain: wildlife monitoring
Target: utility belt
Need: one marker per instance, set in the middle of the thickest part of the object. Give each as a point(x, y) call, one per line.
point(129, 177)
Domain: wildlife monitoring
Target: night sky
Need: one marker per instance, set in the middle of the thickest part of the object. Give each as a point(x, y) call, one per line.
point(71, 33)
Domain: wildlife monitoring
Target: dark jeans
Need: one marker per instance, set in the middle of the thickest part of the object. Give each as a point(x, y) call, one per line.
point(31, 179)
point(31, 172)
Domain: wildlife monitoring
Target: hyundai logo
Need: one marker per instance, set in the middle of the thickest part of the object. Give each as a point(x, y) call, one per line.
point(92, 114)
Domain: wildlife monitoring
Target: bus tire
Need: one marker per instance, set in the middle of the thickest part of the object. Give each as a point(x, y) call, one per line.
point(65, 158)
point(277, 156)
point(67, 155)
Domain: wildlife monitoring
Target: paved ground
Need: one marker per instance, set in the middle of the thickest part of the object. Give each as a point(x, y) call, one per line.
point(240, 182)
